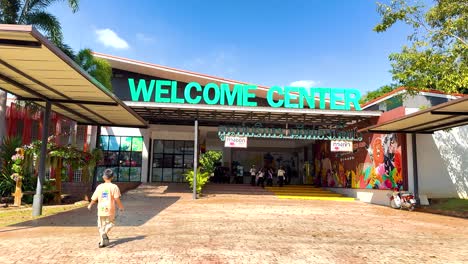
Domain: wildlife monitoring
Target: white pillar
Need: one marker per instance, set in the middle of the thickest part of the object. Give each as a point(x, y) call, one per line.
point(146, 155)
point(409, 159)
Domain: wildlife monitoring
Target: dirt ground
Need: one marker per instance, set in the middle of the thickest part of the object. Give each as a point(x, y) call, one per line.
point(239, 224)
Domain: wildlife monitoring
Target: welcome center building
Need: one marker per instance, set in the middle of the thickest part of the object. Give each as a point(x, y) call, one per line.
point(319, 135)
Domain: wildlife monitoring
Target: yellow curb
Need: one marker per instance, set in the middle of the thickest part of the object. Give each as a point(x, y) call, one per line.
point(310, 194)
point(340, 199)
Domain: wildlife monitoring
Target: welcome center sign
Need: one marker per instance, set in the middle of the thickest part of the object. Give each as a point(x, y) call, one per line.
point(165, 91)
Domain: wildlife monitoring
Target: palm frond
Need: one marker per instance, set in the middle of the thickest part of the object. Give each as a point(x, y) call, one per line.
point(39, 5)
point(103, 73)
point(66, 49)
point(47, 23)
point(9, 11)
point(98, 68)
point(84, 58)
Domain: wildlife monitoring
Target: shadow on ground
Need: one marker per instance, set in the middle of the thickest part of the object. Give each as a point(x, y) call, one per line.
point(119, 241)
point(141, 205)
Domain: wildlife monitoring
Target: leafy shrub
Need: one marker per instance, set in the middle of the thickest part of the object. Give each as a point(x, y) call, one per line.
point(7, 150)
point(202, 179)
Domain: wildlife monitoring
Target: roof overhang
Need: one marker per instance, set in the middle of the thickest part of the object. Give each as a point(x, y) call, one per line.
point(444, 116)
point(167, 113)
point(33, 69)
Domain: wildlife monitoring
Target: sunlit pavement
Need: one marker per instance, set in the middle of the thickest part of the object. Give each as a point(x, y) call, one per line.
point(239, 224)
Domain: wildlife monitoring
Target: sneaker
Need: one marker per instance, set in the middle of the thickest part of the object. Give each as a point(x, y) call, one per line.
point(105, 240)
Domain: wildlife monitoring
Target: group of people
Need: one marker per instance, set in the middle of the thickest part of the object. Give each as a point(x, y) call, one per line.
point(259, 177)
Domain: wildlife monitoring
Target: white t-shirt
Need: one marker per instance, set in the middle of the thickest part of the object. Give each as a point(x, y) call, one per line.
point(281, 173)
point(253, 171)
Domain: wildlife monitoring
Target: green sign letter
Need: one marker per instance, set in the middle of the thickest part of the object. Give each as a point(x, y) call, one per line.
point(206, 93)
point(174, 98)
point(270, 94)
point(135, 93)
point(187, 95)
point(160, 91)
point(231, 96)
point(288, 97)
point(246, 95)
point(334, 97)
point(354, 99)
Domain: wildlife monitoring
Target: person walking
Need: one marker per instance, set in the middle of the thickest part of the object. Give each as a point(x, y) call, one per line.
point(106, 196)
point(253, 174)
point(281, 174)
point(260, 178)
point(270, 177)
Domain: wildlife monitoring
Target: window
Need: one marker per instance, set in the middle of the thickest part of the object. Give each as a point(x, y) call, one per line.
point(171, 159)
point(123, 155)
point(77, 175)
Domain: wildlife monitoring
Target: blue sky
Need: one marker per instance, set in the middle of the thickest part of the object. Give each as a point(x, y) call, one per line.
point(268, 42)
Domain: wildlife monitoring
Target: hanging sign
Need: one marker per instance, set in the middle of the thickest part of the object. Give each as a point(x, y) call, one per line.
point(235, 142)
point(341, 146)
point(300, 133)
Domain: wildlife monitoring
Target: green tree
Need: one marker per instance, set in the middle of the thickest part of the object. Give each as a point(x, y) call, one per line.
point(209, 159)
point(369, 96)
point(437, 57)
point(31, 12)
point(99, 68)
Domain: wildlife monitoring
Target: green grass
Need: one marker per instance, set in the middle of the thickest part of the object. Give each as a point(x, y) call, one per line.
point(11, 216)
point(451, 204)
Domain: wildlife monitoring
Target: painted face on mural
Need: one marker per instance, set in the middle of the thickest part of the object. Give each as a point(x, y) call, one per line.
point(390, 144)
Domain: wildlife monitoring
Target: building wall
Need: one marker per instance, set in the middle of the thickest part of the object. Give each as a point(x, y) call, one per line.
point(420, 101)
point(443, 163)
point(380, 197)
point(377, 162)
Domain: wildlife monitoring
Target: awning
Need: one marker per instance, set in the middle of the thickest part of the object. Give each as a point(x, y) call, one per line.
point(444, 116)
point(33, 69)
point(213, 115)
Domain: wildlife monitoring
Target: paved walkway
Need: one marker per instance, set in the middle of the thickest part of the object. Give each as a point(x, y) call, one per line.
point(239, 224)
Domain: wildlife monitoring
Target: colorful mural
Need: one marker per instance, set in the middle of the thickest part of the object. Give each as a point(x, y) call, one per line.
point(376, 163)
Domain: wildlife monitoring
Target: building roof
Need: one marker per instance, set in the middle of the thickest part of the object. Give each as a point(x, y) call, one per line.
point(33, 69)
point(403, 90)
point(184, 114)
point(443, 116)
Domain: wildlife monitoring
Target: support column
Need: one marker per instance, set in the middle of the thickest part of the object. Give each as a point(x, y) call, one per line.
point(195, 160)
point(98, 137)
point(415, 167)
point(38, 197)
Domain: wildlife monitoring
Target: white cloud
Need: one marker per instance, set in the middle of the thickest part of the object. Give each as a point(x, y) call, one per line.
point(304, 83)
point(110, 39)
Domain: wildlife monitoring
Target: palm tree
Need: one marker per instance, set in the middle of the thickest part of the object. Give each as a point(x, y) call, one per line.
point(99, 68)
point(31, 12)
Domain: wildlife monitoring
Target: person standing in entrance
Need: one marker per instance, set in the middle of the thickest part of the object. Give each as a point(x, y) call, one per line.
point(253, 174)
point(260, 178)
point(281, 174)
point(106, 195)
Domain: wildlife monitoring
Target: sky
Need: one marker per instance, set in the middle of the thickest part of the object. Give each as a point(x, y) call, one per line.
point(264, 42)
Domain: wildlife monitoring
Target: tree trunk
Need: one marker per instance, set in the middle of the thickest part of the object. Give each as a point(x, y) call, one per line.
point(3, 106)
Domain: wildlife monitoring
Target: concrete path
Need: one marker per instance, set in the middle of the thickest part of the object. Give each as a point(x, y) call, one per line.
point(239, 224)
